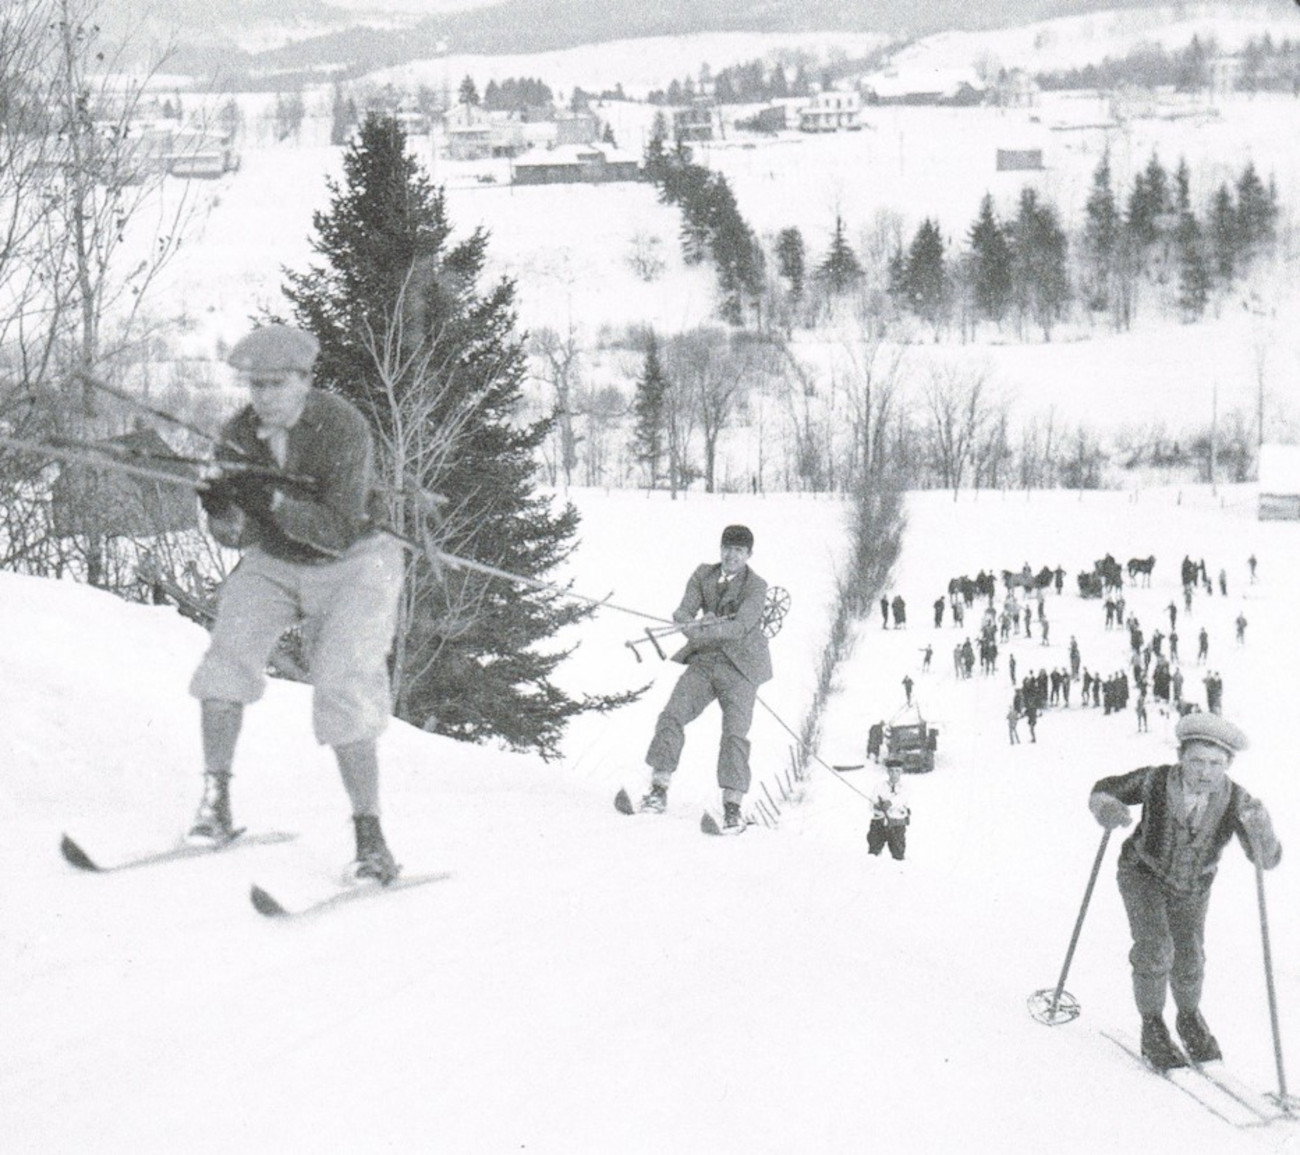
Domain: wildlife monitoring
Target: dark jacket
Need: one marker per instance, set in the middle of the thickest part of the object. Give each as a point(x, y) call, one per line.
point(741, 637)
point(1158, 845)
point(331, 444)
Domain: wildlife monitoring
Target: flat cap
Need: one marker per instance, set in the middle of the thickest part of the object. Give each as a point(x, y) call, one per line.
point(1199, 726)
point(275, 348)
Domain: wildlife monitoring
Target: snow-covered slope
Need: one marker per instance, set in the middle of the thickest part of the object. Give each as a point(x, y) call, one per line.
point(582, 982)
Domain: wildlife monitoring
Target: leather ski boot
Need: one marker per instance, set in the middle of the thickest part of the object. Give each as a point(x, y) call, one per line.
point(1157, 1047)
point(733, 822)
point(1202, 1047)
point(374, 861)
point(656, 801)
point(212, 822)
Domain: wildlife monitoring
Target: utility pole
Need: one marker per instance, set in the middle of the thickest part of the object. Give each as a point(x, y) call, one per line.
point(1214, 437)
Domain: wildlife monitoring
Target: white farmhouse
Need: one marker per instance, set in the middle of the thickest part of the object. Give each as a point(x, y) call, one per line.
point(831, 112)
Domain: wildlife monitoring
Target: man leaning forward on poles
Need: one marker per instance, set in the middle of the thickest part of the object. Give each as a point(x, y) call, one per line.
point(1190, 811)
point(312, 556)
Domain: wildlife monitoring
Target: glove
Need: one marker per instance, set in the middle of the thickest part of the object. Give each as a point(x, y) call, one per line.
point(1261, 843)
point(224, 491)
point(1109, 810)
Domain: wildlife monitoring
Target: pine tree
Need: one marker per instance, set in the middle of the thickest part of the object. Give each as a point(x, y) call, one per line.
point(467, 93)
point(649, 409)
point(1193, 268)
point(1256, 211)
point(790, 259)
point(840, 271)
point(1039, 251)
point(1223, 237)
point(656, 151)
point(1148, 202)
point(990, 264)
point(927, 285)
point(435, 365)
point(341, 123)
point(1101, 235)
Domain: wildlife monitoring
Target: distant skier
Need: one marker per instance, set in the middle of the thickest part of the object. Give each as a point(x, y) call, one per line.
point(907, 687)
point(890, 814)
point(1190, 810)
point(899, 608)
point(727, 659)
point(1241, 629)
point(1013, 728)
point(310, 556)
point(875, 738)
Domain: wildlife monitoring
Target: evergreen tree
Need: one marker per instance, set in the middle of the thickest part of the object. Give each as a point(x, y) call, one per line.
point(649, 407)
point(1256, 211)
point(926, 283)
point(841, 270)
point(341, 117)
point(1101, 235)
point(1223, 238)
point(1181, 199)
point(1148, 203)
point(1039, 252)
point(790, 259)
point(467, 93)
point(656, 151)
point(435, 365)
point(1193, 268)
point(990, 264)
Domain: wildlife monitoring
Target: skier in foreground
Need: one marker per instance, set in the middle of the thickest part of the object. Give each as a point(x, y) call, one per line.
point(890, 813)
point(1189, 812)
point(727, 659)
point(310, 556)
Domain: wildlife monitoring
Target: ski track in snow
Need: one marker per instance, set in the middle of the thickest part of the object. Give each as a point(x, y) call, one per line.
point(588, 982)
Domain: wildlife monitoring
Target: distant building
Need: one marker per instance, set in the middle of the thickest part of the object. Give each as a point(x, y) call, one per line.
point(693, 123)
point(110, 503)
point(832, 112)
point(469, 132)
point(576, 128)
point(1020, 159)
point(1279, 483)
point(576, 164)
point(1015, 89)
point(769, 119)
point(927, 86)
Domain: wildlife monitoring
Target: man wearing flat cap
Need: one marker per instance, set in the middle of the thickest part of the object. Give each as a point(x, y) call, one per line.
point(727, 659)
point(890, 813)
point(1190, 810)
point(293, 487)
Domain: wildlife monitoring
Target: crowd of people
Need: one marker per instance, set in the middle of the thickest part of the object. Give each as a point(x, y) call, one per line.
point(1151, 676)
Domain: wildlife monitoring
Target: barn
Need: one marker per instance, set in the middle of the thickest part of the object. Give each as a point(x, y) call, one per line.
point(1279, 483)
point(108, 503)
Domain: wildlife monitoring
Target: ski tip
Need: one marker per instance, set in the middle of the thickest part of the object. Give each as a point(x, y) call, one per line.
point(709, 824)
point(263, 903)
point(623, 803)
point(76, 856)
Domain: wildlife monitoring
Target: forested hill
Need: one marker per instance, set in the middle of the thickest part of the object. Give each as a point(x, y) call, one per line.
point(522, 26)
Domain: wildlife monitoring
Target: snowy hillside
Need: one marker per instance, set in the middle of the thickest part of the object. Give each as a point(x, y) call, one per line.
point(582, 982)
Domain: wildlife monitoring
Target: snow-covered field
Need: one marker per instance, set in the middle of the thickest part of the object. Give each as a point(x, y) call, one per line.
point(582, 982)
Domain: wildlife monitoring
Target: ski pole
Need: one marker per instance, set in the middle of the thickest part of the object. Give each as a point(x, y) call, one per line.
point(1283, 1100)
point(1062, 1006)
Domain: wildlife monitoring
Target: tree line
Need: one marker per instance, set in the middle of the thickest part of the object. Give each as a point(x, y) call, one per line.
point(1262, 65)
